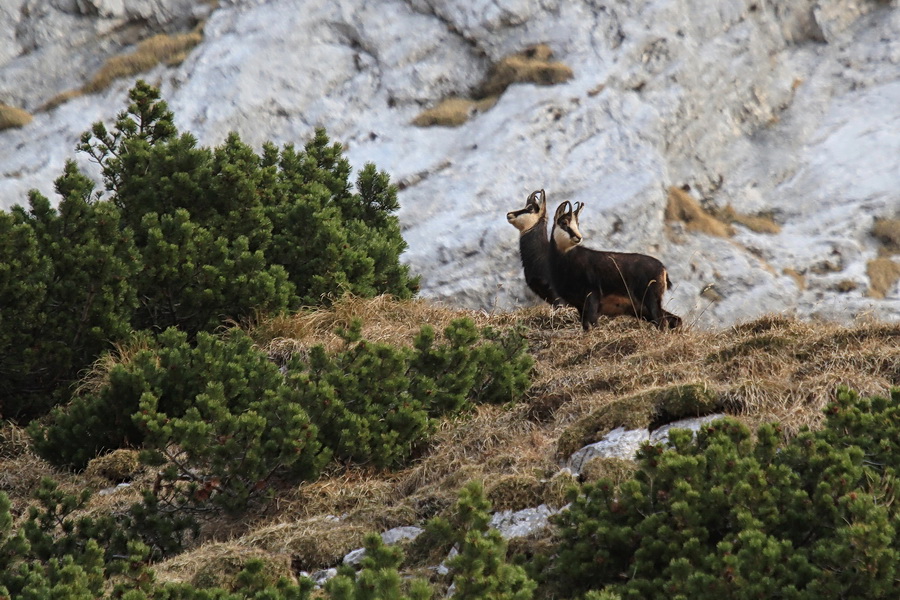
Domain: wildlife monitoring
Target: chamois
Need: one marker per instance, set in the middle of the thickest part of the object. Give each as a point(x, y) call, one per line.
point(605, 283)
point(534, 246)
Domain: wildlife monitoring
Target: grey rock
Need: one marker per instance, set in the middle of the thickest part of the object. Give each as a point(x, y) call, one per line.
point(774, 107)
point(114, 489)
point(661, 435)
point(389, 537)
point(521, 523)
point(354, 557)
point(321, 577)
point(618, 443)
point(399, 534)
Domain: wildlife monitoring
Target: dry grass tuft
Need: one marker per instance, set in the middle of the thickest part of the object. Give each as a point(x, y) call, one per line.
point(117, 466)
point(384, 320)
point(683, 207)
point(60, 99)
point(453, 112)
point(21, 475)
point(347, 493)
point(122, 353)
point(760, 223)
point(161, 48)
point(11, 116)
point(14, 440)
point(798, 277)
point(515, 492)
point(532, 65)
point(883, 276)
point(616, 470)
point(888, 233)
point(218, 564)
point(312, 544)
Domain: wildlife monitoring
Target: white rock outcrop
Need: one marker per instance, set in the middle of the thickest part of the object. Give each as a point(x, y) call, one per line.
point(791, 108)
point(624, 443)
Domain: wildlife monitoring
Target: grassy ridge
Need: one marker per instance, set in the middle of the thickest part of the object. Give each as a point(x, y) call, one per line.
point(770, 369)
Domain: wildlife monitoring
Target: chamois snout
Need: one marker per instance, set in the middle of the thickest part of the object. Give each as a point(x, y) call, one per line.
point(510, 216)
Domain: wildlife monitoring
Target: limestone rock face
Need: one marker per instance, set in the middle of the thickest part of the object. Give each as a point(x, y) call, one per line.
point(788, 109)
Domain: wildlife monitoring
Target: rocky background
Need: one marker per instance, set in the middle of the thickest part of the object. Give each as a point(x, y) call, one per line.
point(752, 145)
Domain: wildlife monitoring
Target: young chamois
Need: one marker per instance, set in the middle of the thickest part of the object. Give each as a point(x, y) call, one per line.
point(534, 246)
point(605, 283)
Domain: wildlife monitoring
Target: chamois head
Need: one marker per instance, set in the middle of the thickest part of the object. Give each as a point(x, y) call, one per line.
point(535, 210)
point(565, 226)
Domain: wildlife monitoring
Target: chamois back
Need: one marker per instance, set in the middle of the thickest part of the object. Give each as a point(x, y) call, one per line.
point(608, 283)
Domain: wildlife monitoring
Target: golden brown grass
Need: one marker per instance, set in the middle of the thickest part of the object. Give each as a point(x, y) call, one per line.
point(158, 49)
point(453, 112)
point(11, 116)
point(760, 223)
point(161, 48)
point(887, 231)
point(531, 65)
point(683, 207)
point(218, 564)
point(883, 276)
point(624, 371)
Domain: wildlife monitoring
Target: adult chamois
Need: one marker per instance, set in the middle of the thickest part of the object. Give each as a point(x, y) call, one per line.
point(534, 246)
point(605, 283)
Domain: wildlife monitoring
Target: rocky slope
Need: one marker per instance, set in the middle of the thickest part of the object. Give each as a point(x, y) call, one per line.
point(787, 109)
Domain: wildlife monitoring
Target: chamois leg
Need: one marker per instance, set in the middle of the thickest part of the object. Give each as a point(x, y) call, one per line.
point(652, 310)
point(590, 311)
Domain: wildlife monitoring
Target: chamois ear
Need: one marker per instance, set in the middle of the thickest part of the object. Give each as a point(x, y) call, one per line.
point(578, 208)
point(562, 209)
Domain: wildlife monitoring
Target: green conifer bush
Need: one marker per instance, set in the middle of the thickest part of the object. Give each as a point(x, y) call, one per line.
point(379, 578)
point(374, 403)
point(737, 516)
point(83, 272)
point(215, 413)
point(181, 236)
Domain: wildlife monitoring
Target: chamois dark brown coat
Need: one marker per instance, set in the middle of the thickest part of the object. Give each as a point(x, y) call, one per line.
point(534, 246)
point(605, 283)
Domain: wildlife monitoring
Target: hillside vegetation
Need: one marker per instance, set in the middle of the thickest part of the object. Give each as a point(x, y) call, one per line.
point(773, 369)
point(216, 382)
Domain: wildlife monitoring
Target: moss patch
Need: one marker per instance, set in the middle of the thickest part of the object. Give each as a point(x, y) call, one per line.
point(766, 342)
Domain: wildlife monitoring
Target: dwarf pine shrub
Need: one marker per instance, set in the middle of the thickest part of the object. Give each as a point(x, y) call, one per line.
point(375, 403)
point(181, 236)
point(215, 412)
point(731, 515)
